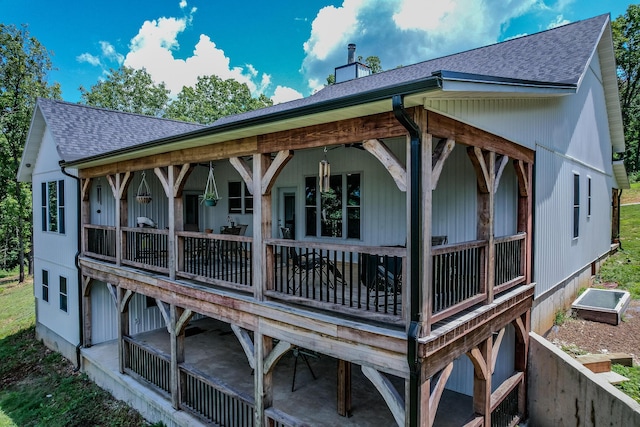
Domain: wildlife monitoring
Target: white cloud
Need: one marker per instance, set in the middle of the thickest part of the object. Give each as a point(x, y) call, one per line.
point(558, 22)
point(404, 32)
point(109, 52)
point(285, 94)
point(183, 4)
point(88, 58)
point(156, 42)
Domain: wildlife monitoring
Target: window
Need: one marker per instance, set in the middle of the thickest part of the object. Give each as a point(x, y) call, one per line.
point(576, 205)
point(45, 285)
point(240, 200)
point(63, 293)
point(336, 212)
point(52, 206)
point(588, 196)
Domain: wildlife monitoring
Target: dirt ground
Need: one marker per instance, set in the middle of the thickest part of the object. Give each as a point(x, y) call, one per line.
point(583, 336)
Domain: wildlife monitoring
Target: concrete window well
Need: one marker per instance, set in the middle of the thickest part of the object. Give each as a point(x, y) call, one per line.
point(602, 305)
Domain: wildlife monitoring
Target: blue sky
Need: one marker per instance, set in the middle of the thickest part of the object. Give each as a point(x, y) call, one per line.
point(282, 48)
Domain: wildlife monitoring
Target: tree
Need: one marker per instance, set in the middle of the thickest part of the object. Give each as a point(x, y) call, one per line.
point(129, 90)
point(626, 41)
point(24, 64)
point(212, 98)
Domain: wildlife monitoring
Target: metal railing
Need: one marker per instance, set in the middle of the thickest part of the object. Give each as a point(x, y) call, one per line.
point(364, 280)
point(458, 277)
point(148, 364)
point(100, 241)
point(216, 258)
point(145, 248)
point(214, 401)
point(509, 265)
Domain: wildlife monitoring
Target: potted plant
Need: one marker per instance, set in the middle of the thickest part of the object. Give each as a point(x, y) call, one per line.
point(210, 199)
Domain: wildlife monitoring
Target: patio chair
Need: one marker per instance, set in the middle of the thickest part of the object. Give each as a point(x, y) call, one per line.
point(381, 273)
point(311, 266)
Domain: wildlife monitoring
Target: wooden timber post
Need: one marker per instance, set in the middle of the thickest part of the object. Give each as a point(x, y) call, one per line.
point(119, 185)
point(481, 357)
point(85, 213)
point(86, 311)
point(484, 164)
point(178, 319)
point(122, 305)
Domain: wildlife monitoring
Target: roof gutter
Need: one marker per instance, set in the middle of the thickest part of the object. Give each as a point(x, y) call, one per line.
point(415, 224)
point(413, 87)
point(454, 76)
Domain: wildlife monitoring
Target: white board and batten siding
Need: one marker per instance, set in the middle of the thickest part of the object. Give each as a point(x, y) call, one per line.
point(570, 134)
point(55, 252)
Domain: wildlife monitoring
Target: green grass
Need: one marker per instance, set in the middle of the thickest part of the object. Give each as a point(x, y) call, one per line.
point(631, 195)
point(624, 267)
point(39, 387)
point(631, 387)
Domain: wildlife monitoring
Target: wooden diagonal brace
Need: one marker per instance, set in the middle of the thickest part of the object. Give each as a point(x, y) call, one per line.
point(269, 178)
point(439, 157)
point(389, 160)
point(244, 170)
point(436, 394)
point(500, 165)
point(480, 166)
point(521, 173)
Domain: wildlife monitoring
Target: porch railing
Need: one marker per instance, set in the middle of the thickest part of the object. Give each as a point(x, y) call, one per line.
point(216, 258)
point(100, 241)
point(365, 281)
point(458, 277)
point(148, 364)
point(505, 404)
point(509, 266)
point(213, 400)
point(145, 248)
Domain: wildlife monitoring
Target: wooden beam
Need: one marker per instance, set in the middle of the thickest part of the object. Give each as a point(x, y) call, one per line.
point(496, 349)
point(217, 151)
point(243, 168)
point(523, 177)
point(344, 388)
point(482, 379)
point(183, 320)
point(86, 189)
point(436, 394)
point(348, 131)
point(446, 127)
point(389, 160)
point(247, 345)
point(276, 354)
point(263, 379)
point(123, 326)
point(440, 154)
point(274, 169)
point(394, 401)
point(163, 177)
point(501, 162)
point(86, 310)
point(181, 178)
point(123, 304)
point(164, 309)
point(480, 166)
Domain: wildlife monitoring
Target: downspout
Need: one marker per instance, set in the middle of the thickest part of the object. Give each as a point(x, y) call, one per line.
point(618, 220)
point(415, 238)
point(77, 264)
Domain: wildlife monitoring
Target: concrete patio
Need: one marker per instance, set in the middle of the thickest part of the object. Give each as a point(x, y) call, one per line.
point(213, 349)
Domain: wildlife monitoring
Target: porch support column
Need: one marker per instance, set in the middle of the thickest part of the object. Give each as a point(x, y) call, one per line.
point(484, 164)
point(123, 298)
point(481, 358)
point(178, 319)
point(522, 326)
point(86, 311)
point(85, 212)
point(119, 184)
point(263, 378)
point(262, 256)
point(344, 388)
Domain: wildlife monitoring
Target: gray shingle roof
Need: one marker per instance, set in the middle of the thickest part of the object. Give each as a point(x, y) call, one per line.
point(82, 131)
point(559, 55)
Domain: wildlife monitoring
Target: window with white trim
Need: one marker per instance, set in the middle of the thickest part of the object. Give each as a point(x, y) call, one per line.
point(576, 205)
point(52, 206)
point(240, 200)
point(63, 293)
point(588, 196)
point(45, 285)
point(335, 212)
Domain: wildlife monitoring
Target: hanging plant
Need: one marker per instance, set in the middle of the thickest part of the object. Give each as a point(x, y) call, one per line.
point(210, 196)
point(143, 195)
